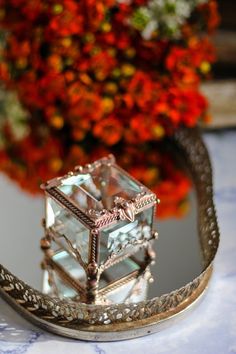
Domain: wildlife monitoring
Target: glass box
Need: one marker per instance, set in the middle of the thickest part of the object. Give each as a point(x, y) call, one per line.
point(97, 216)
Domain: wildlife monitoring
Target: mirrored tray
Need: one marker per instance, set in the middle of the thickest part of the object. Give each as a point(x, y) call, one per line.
point(185, 250)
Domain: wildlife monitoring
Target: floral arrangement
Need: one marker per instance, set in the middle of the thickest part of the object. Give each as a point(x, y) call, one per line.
point(80, 78)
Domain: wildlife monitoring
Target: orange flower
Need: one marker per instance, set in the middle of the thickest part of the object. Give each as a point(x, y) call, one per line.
point(102, 64)
point(66, 19)
point(141, 128)
point(140, 88)
point(108, 130)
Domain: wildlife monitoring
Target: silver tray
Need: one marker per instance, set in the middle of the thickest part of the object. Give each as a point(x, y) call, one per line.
point(171, 295)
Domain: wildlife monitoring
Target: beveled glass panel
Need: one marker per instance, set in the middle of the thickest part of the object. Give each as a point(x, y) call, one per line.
point(98, 189)
point(65, 224)
point(125, 234)
point(118, 271)
point(134, 291)
point(70, 265)
point(62, 288)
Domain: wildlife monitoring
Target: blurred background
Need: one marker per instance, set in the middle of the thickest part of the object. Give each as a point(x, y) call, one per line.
point(221, 91)
point(225, 41)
